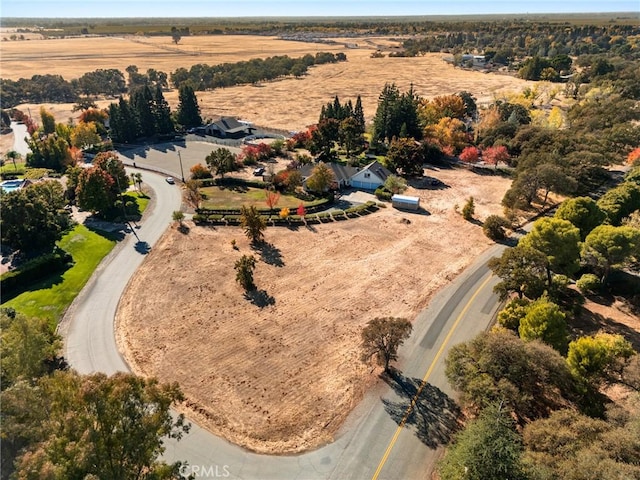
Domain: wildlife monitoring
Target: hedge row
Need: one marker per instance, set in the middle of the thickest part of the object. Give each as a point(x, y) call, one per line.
point(291, 220)
point(16, 280)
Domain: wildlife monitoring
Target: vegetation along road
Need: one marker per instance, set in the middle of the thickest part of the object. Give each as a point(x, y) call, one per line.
point(396, 431)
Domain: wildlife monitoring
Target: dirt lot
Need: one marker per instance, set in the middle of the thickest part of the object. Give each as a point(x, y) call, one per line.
point(289, 104)
point(284, 377)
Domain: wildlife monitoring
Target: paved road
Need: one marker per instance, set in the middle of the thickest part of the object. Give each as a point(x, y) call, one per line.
point(88, 328)
point(371, 445)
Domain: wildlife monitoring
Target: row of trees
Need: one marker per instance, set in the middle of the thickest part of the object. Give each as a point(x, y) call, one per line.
point(207, 77)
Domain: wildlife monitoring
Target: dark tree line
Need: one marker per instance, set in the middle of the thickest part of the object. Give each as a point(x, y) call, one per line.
point(206, 77)
point(145, 115)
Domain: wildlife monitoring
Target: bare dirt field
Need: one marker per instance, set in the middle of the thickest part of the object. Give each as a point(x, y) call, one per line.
point(289, 104)
point(283, 378)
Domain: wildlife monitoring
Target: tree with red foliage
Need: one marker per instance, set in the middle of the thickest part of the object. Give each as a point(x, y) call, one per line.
point(469, 155)
point(495, 155)
point(271, 198)
point(301, 211)
point(95, 190)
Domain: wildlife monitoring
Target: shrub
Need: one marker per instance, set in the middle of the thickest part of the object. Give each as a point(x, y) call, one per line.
point(469, 209)
point(199, 171)
point(494, 226)
point(382, 193)
point(36, 269)
point(588, 283)
point(199, 218)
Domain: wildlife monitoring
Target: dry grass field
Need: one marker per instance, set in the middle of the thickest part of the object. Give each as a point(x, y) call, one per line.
point(284, 377)
point(289, 104)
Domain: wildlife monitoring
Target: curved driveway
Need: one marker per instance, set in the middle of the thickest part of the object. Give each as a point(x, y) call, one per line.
point(371, 444)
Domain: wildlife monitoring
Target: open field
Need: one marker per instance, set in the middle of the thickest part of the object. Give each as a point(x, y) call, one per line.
point(289, 104)
point(283, 378)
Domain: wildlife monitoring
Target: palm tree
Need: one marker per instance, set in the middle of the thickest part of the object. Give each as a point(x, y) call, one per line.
point(136, 178)
point(13, 155)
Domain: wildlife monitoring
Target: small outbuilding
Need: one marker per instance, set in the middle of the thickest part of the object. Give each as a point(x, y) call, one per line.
point(405, 202)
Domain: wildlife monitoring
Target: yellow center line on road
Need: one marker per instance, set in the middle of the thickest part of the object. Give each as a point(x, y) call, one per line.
point(425, 378)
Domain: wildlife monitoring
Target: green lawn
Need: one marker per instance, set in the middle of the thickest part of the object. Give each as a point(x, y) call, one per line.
point(51, 297)
point(230, 197)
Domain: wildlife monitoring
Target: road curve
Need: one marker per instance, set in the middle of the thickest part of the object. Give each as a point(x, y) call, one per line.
point(371, 445)
point(88, 326)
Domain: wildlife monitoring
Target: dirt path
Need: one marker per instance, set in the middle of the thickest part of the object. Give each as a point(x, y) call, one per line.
point(284, 377)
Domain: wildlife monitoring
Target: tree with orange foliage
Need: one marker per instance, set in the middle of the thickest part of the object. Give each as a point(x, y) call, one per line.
point(634, 156)
point(448, 132)
point(271, 198)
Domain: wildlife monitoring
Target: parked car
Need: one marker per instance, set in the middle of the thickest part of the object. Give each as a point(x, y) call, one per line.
point(258, 171)
point(170, 180)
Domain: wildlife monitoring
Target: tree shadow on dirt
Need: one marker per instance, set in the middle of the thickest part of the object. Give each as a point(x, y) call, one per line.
point(260, 298)
point(269, 253)
point(427, 183)
point(435, 416)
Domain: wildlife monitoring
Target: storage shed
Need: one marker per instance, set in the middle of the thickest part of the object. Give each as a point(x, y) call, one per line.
point(405, 202)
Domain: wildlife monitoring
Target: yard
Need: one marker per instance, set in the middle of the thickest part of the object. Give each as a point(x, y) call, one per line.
point(231, 197)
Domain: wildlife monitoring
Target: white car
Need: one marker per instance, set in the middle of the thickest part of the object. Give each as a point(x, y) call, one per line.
point(170, 180)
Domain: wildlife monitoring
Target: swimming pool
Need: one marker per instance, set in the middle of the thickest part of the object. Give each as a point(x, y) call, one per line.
point(11, 185)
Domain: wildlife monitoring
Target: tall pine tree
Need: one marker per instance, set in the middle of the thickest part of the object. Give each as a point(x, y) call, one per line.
point(358, 114)
point(188, 109)
point(141, 104)
point(162, 113)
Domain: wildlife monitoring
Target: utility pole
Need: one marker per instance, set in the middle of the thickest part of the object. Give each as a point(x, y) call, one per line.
point(181, 171)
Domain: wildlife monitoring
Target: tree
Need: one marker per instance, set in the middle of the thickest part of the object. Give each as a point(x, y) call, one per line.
point(395, 184)
point(513, 313)
point(85, 135)
point(175, 35)
point(323, 138)
point(253, 223)
point(244, 272)
point(633, 158)
point(530, 378)
point(620, 202)
point(522, 270)
point(32, 219)
point(93, 427)
point(582, 212)
point(608, 247)
point(349, 135)
point(571, 445)
point(405, 156)
point(321, 178)
point(495, 155)
point(95, 190)
point(188, 110)
point(301, 211)
point(27, 346)
point(470, 155)
point(48, 121)
point(271, 198)
point(178, 217)
point(469, 209)
point(381, 338)
point(136, 179)
point(221, 161)
point(192, 194)
point(385, 123)
point(142, 107)
point(559, 240)
point(358, 114)
point(489, 447)
point(110, 163)
point(493, 227)
point(544, 321)
point(13, 156)
point(598, 357)
point(49, 152)
point(161, 113)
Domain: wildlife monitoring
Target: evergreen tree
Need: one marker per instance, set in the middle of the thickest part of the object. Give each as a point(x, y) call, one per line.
point(116, 127)
point(408, 114)
point(162, 113)
point(142, 104)
point(188, 109)
point(129, 124)
point(358, 114)
point(383, 122)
